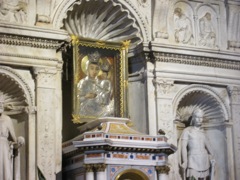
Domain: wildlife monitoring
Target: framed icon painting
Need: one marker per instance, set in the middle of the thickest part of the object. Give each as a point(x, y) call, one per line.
point(99, 86)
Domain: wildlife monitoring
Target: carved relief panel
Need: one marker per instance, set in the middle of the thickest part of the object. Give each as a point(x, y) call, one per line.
point(207, 26)
point(13, 11)
point(187, 23)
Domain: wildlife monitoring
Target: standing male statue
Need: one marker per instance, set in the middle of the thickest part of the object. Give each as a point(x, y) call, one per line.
point(196, 155)
point(9, 165)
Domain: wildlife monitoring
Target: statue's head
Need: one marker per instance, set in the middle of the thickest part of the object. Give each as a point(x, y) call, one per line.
point(197, 117)
point(178, 12)
point(208, 16)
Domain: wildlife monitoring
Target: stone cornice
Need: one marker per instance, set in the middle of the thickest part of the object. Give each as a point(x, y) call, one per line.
point(33, 31)
point(17, 40)
point(165, 150)
point(195, 60)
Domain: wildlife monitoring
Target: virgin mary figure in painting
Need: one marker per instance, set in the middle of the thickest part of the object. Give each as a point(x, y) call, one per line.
point(91, 90)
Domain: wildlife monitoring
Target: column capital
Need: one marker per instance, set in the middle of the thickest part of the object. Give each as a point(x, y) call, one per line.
point(45, 77)
point(88, 167)
point(162, 169)
point(163, 86)
point(234, 93)
point(100, 167)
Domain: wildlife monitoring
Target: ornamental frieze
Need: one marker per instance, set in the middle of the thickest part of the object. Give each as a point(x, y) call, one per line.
point(194, 60)
point(29, 41)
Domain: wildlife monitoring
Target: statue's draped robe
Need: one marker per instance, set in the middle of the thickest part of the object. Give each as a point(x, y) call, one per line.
point(6, 129)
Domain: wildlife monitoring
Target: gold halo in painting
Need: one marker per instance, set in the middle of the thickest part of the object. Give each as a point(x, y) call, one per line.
point(84, 64)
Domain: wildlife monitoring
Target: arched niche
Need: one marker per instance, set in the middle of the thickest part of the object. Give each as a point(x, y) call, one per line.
point(216, 116)
point(18, 100)
point(102, 20)
point(131, 174)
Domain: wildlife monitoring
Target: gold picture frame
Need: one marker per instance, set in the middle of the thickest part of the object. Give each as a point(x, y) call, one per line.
point(100, 74)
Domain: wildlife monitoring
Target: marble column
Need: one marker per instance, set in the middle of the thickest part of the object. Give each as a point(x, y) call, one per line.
point(89, 171)
point(100, 171)
point(162, 172)
point(164, 106)
point(46, 121)
point(151, 99)
point(31, 141)
point(234, 93)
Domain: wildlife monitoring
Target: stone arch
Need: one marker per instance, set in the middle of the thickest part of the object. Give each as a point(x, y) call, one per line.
point(202, 96)
point(18, 101)
point(68, 13)
point(207, 5)
point(131, 174)
point(216, 113)
point(16, 90)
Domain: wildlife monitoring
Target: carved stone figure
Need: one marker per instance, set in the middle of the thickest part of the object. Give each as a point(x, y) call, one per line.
point(207, 32)
point(13, 11)
point(9, 144)
point(183, 27)
point(196, 155)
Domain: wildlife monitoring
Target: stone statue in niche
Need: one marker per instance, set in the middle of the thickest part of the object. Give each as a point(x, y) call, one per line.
point(196, 155)
point(13, 11)
point(183, 27)
point(9, 147)
point(207, 32)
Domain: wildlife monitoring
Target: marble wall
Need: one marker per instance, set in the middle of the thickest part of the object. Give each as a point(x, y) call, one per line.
point(183, 54)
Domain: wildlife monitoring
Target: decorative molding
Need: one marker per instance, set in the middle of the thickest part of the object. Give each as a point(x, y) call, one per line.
point(196, 60)
point(234, 92)
point(45, 77)
point(165, 85)
point(11, 73)
point(29, 41)
point(30, 57)
point(162, 169)
point(136, 9)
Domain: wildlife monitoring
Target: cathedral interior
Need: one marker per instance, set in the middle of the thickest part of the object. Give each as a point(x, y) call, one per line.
point(107, 89)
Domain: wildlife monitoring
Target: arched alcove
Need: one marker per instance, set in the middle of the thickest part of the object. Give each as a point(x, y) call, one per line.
point(214, 121)
point(131, 174)
point(102, 20)
point(18, 98)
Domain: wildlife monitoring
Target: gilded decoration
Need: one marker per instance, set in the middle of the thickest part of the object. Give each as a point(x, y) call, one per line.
point(100, 79)
point(163, 169)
